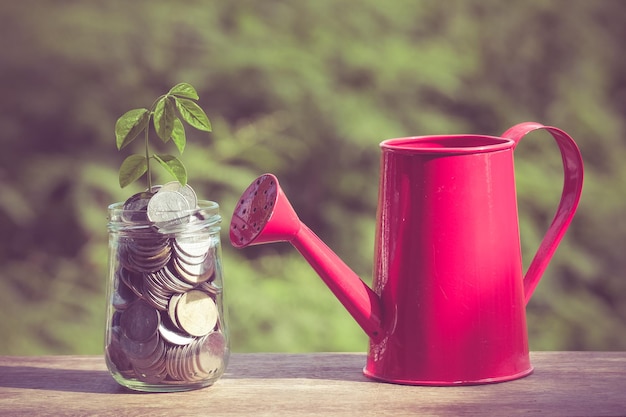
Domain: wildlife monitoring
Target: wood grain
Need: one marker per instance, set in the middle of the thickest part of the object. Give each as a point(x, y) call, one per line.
point(563, 384)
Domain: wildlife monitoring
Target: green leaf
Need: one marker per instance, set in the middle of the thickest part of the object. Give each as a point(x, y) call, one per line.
point(164, 116)
point(193, 114)
point(132, 169)
point(184, 90)
point(170, 112)
point(174, 166)
point(178, 135)
point(129, 125)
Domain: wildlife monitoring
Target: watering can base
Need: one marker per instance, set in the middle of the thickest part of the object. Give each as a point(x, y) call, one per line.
point(447, 383)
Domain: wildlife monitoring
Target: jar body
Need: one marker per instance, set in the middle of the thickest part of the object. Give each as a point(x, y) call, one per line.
point(165, 327)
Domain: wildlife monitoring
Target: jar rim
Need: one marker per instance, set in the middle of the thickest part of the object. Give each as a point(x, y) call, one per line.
point(121, 219)
point(211, 208)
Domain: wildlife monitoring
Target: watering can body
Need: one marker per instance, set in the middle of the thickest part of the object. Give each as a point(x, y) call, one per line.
point(447, 303)
point(448, 259)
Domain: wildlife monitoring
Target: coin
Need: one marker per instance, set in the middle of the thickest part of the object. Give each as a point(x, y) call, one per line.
point(174, 357)
point(210, 356)
point(147, 264)
point(123, 295)
point(134, 280)
point(156, 296)
point(152, 368)
point(172, 280)
point(115, 319)
point(196, 313)
point(146, 254)
point(149, 247)
point(192, 250)
point(174, 337)
point(166, 206)
point(194, 274)
point(171, 310)
point(150, 359)
point(209, 287)
point(185, 190)
point(140, 258)
point(182, 363)
point(117, 356)
point(139, 350)
point(135, 207)
point(139, 321)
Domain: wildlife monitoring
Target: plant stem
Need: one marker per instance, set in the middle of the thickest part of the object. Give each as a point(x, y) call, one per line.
point(148, 173)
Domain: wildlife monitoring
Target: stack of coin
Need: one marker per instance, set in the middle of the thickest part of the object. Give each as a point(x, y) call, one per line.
point(167, 326)
point(147, 253)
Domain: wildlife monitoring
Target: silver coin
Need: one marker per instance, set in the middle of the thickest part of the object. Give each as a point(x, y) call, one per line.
point(116, 354)
point(133, 279)
point(152, 360)
point(171, 310)
point(155, 281)
point(135, 255)
point(171, 362)
point(176, 363)
point(193, 372)
point(185, 190)
point(192, 250)
point(123, 295)
point(156, 298)
point(174, 337)
point(196, 313)
point(153, 369)
point(150, 247)
point(195, 274)
point(140, 321)
point(173, 281)
point(167, 206)
point(210, 288)
point(135, 207)
point(210, 356)
point(149, 264)
point(139, 350)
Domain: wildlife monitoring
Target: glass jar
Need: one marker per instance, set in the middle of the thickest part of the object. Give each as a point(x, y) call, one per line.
point(165, 327)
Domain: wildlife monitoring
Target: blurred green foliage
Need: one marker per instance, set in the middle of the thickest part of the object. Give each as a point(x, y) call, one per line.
point(305, 90)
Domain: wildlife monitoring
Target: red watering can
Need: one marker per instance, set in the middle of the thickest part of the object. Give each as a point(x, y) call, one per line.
point(448, 300)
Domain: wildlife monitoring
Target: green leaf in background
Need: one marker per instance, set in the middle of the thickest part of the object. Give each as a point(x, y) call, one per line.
point(184, 90)
point(129, 125)
point(193, 114)
point(132, 169)
point(174, 166)
point(164, 116)
point(178, 135)
point(343, 88)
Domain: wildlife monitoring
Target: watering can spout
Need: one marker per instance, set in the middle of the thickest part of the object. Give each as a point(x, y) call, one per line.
point(264, 215)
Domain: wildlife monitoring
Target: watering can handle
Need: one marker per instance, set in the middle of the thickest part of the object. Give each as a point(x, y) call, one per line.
point(572, 189)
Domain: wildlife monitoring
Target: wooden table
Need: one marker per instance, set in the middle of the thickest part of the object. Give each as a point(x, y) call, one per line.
point(564, 383)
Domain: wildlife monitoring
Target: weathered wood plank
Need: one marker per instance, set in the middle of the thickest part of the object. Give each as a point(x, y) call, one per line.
point(564, 383)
